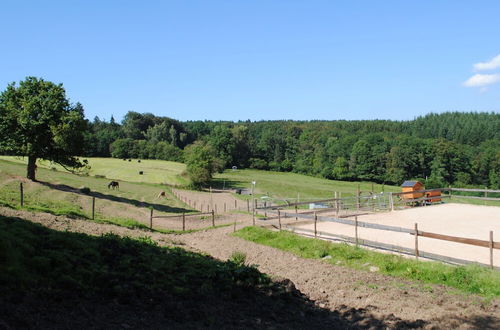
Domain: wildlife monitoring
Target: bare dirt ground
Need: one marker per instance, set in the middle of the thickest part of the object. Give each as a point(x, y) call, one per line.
point(462, 220)
point(354, 294)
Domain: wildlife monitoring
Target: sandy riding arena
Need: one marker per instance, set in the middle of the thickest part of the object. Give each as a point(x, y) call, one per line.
point(461, 220)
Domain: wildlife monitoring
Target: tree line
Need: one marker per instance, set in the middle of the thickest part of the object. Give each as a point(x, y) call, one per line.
point(456, 148)
point(463, 149)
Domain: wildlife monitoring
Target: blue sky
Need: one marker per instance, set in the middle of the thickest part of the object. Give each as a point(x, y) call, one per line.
point(238, 60)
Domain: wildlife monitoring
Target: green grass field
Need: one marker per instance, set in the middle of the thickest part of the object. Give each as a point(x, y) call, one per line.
point(58, 191)
point(289, 185)
point(155, 171)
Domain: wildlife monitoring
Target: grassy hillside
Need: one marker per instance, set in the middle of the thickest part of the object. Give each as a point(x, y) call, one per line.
point(60, 192)
point(63, 280)
point(287, 185)
point(155, 171)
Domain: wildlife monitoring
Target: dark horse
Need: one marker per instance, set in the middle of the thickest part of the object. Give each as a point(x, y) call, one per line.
point(114, 185)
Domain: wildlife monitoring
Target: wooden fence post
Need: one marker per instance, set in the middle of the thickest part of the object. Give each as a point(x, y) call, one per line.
point(340, 201)
point(253, 217)
point(357, 198)
point(315, 221)
point(296, 211)
point(279, 219)
point(491, 249)
point(224, 207)
point(213, 218)
point(235, 204)
point(248, 205)
point(265, 209)
point(234, 225)
point(194, 205)
point(93, 208)
point(151, 219)
point(336, 204)
point(356, 229)
point(21, 193)
point(391, 201)
point(183, 221)
point(416, 241)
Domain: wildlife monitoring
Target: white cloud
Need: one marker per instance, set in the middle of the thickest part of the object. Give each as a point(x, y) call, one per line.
point(490, 65)
point(480, 80)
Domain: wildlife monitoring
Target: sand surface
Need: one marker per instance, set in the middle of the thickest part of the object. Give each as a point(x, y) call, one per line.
point(461, 220)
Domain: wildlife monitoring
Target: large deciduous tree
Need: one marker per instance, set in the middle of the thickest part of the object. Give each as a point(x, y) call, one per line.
point(38, 121)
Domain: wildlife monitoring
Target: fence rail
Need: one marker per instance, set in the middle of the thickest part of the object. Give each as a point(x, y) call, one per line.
point(417, 233)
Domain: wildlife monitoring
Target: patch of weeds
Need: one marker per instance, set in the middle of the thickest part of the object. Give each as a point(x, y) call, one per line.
point(238, 258)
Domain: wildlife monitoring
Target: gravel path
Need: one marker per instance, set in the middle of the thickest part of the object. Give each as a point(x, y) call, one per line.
point(333, 287)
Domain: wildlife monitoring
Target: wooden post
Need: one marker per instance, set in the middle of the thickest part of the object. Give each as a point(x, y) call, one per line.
point(491, 249)
point(296, 211)
point(235, 204)
point(151, 219)
point(391, 202)
point(279, 219)
point(183, 221)
point(265, 209)
point(416, 241)
point(336, 204)
point(356, 229)
point(315, 221)
point(213, 218)
point(253, 217)
point(340, 202)
point(248, 205)
point(21, 193)
point(357, 198)
point(234, 225)
point(224, 207)
point(93, 208)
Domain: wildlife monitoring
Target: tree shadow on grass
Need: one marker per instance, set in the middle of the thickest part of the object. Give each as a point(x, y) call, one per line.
point(69, 280)
point(134, 202)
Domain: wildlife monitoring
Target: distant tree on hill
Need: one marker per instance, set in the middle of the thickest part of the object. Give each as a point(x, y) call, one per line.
point(201, 163)
point(38, 121)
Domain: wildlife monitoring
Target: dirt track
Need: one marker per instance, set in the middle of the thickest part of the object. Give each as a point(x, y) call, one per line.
point(332, 287)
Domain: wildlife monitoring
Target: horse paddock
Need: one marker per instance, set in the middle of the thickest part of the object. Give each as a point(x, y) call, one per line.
point(461, 220)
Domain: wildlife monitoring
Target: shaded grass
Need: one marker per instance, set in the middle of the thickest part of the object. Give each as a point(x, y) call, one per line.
point(469, 279)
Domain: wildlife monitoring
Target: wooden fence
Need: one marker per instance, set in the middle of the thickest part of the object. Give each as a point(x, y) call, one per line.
point(490, 244)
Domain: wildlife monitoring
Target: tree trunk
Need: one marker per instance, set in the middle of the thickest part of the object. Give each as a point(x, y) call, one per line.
point(31, 168)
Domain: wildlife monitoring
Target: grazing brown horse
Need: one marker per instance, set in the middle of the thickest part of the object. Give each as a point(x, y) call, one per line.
point(162, 194)
point(114, 185)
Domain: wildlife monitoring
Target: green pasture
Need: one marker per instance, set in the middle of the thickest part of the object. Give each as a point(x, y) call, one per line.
point(59, 190)
point(154, 171)
point(291, 185)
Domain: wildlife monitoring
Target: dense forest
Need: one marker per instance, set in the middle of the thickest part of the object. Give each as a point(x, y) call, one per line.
point(440, 149)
